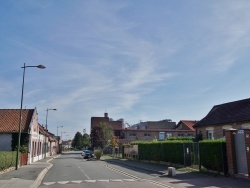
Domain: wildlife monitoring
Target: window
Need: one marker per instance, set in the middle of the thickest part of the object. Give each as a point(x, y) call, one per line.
point(180, 135)
point(169, 135)
point(147, 134)
point(161, 135)
point(210, 133)
point(132, 134)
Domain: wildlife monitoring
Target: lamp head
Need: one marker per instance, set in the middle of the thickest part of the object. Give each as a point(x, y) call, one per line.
point(41, 67)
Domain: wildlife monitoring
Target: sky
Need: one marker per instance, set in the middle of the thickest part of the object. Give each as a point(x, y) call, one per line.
point(143, 60)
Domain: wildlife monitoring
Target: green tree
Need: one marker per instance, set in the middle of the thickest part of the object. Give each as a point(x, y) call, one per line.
point(77, 142)
point(86, 140)
point(106, 135)
point(101, 136)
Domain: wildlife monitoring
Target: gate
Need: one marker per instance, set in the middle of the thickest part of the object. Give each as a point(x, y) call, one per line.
point(191, 154)
point(241, 158)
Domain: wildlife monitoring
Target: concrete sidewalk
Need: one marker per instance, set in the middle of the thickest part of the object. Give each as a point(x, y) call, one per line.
point(28, 176)
point(184, 179)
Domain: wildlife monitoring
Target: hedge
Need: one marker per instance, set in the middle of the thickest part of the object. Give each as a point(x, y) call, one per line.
point(168, 151)
point(7, 159)
point(213, 155)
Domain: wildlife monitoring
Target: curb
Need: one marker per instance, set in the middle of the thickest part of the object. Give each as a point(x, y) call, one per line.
point(40, 177)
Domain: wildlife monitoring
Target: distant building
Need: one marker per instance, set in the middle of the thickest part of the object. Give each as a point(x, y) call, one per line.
point(146, 131)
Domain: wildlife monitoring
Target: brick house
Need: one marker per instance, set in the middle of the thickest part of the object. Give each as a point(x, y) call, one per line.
point(146, 131)
point(232, 115)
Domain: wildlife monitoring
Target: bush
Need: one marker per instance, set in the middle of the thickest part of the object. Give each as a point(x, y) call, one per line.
point(168, 151)
point(97, 154)
point(7, 159)
point(211, 154)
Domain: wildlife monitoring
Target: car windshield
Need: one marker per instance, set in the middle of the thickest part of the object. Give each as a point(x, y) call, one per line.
point(87, 151)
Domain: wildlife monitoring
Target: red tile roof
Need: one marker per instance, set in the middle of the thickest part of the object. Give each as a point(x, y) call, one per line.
point(9, 120)
point(42, 130)
point(189, 123)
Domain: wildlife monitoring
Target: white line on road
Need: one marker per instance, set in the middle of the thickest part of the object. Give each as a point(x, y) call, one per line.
point(49, 183)
point(77, 181)
point(63, 182)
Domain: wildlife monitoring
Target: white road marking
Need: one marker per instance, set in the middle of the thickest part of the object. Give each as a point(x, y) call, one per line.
point(49, 183)
point(63, 182)
point(77, 181)
point(128, 180)
point(90, 181)
point(103, 180)
point(116, 180)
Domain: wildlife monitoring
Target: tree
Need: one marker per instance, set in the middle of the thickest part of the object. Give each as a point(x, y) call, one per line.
point(95, 138)
point(77, 142)
point(101, 135)
point(114, 141)
point(86, 140)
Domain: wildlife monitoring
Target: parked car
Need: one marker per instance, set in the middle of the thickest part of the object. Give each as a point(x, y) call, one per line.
point(87, 154)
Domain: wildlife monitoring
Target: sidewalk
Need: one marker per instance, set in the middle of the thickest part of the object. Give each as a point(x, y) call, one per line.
point(31, 176)
point(28, 176)
point(183, 179)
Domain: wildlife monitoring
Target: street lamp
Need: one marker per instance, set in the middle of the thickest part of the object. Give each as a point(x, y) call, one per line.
point(61, 134)
point(57, 130)
point(20, 118)
point(47, 116)
point(47, 130)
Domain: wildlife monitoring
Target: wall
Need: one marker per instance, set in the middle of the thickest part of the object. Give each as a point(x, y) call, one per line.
point(231, 155)
point(218, 131)
point(5, 142)
point(161, 125)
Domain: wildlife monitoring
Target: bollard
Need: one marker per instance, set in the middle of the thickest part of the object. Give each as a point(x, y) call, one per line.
point(171, 171)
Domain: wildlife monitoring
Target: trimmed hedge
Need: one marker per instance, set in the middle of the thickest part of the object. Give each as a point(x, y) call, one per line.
point(211, 155)
point(168, 151)
point(7, 159)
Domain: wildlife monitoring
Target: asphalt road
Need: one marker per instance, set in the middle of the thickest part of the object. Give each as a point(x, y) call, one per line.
point(71, 170)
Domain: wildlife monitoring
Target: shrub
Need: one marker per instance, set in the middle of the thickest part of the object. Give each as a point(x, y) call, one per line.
point(211, 154)
point(7, 159)
point(97, 154)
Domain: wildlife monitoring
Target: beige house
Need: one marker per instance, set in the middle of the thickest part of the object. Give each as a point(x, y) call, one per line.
point(232, 115)
point(33, 135)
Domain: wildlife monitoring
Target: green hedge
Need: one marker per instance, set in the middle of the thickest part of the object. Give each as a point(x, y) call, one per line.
point(7, 159)
point(168, 151)
point(213, 155)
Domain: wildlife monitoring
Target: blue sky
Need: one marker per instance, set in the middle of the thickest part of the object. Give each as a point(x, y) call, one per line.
point(138, 60)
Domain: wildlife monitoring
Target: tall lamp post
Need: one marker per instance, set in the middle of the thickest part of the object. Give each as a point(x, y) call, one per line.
point(57, 129)
point(47, 130)
point(21, 108)
point(61, 134)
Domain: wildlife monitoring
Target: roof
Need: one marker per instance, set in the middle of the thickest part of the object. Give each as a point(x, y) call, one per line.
point(42, 130)
point(188, 123)
point(153, 130)
point(227, 113)
point(9, 120)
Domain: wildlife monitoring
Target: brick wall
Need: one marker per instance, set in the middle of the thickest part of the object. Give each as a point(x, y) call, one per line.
point(231, 157)
point(217, 132)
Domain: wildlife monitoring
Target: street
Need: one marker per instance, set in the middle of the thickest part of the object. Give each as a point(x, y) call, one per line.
point(71, 170)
